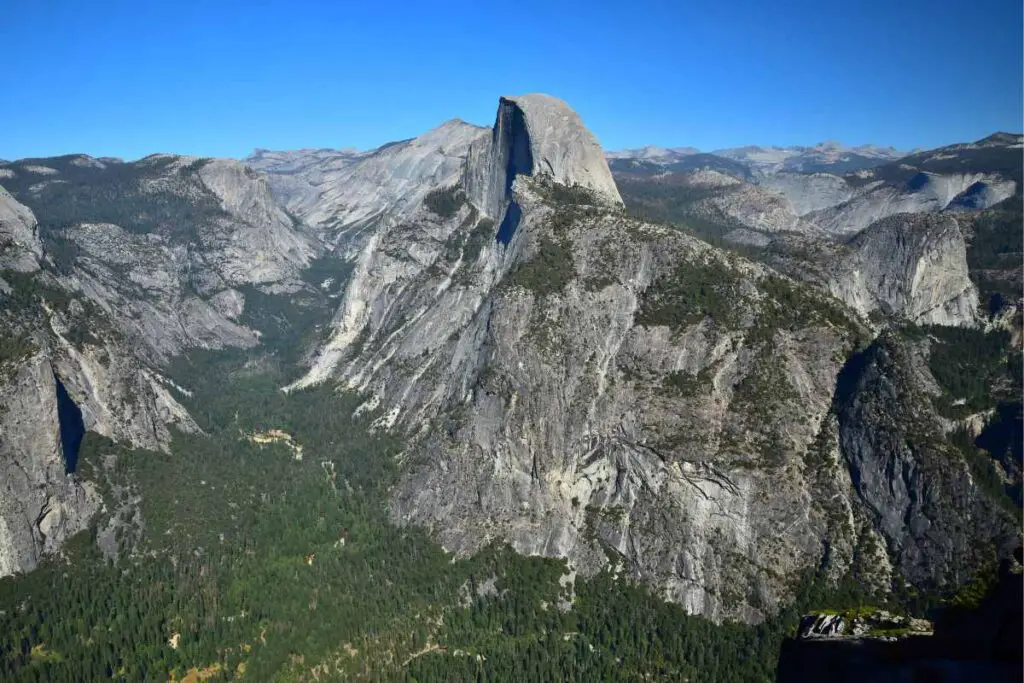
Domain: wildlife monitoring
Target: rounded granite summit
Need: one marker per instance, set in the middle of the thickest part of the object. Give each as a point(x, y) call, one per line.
point(561, 146)
point(535, 135)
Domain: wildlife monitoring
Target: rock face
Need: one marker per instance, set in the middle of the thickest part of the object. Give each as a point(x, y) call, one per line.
point(297, 178)
point(353, 193)
point(144, 283)
point(126, 266)
point(65, 369)
point(914, 267)
point(41, 503)
point(20, 249)
point(916, 488)
point(536, 135)
point(908, 267)
point(255, 241)
point(822, 626)
point(922, 193)
point(571, 435)
point(750, 206)
point(555, 420)
point(808, 192)
point(153, 242)
point(532, 134)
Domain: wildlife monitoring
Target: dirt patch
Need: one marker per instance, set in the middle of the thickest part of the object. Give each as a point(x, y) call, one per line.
point(195, 675)
point(276, 436)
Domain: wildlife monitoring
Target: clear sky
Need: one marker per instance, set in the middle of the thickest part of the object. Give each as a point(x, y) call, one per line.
point(220, 77)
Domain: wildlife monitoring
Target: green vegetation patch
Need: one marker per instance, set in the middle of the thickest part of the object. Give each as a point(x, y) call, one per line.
point(693, 291)
point(30, 291)
point(995, 253)
point(479, 237)
point(793, 306)
point(445, 201)
point(140, 197)
point(549, 271)
point(276, 566)
point(684, 383)
point(558, 193)
point(16, 347)
point(983, 471)
point(975, 369)
point(597, 283)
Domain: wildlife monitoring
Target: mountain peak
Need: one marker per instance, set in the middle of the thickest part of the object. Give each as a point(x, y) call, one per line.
point(561, 145)
point(536, 134)
point(1001, 139)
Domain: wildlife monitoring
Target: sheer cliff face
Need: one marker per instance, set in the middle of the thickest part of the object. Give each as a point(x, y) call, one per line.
point(911, 266)
point(523, 143)
point(41, 505)
point(20, 248)
point(573, 423)
point(546, 406)
point(65, 369)
point(255, 241)
point(343, 195)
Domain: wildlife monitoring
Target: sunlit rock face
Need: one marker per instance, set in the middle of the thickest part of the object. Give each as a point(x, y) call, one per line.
point(536, 135)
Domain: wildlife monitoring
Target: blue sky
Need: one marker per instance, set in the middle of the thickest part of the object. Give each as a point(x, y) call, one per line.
point(220, 77)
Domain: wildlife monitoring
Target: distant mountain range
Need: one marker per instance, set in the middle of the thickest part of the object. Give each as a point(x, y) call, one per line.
point(830, 156)
point(762, 189)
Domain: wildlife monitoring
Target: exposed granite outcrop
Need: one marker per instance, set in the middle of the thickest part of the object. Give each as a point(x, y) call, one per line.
point(20, 248)
point(350, 194)
point(910, 266)
point(980, 643)
point(939, 526)
point(41, 503)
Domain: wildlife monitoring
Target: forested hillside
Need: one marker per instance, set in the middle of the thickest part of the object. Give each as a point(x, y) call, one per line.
point(258, 559)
